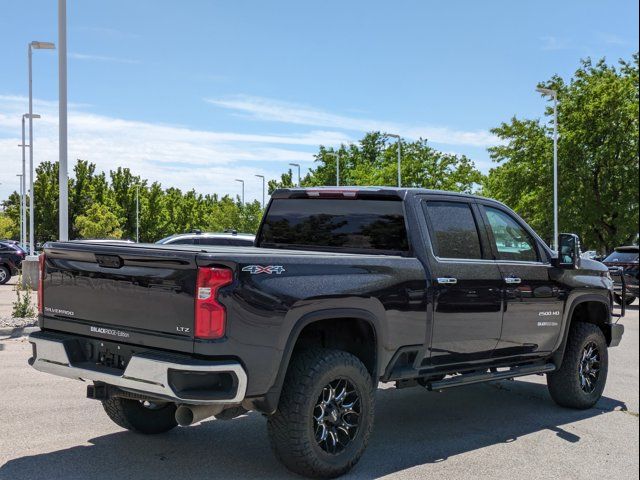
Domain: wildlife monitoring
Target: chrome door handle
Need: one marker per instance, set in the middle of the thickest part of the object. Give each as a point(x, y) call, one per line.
point(447, 281)
point(512, 280)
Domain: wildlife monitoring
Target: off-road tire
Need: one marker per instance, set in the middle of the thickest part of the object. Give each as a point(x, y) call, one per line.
point(629, 299)
point(135, 416)
point(564, 383)
point(5, 275)
point(291, 428)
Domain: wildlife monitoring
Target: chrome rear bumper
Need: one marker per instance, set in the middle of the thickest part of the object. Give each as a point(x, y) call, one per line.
point(149, 372)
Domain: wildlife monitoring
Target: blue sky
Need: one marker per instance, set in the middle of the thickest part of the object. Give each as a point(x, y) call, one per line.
point(197, 93)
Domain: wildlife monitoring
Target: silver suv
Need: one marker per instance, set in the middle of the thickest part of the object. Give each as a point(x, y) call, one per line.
point(228, 237)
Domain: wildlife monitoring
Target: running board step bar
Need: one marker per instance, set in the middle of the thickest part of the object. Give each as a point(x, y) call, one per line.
point(471, 378)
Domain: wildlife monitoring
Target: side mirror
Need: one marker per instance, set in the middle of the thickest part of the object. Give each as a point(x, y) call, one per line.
point(568, 250)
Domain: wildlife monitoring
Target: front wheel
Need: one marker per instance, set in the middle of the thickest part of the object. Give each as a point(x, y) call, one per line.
point(141, 416)
point(325, 414)
point(5, 274)
point(580, 380)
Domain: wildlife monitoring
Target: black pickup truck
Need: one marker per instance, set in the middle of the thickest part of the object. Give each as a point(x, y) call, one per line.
point(343, 288)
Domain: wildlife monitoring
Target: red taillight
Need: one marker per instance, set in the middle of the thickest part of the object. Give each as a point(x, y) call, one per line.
point(210, 315)
point(41, 263)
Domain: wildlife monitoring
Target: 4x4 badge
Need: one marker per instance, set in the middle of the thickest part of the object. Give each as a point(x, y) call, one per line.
point(268, 269)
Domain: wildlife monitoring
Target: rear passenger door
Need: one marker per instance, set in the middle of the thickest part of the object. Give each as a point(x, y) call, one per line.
point(533, 301)
point(466, 282)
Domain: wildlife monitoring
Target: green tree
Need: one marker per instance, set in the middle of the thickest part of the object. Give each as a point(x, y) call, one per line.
point(46, 191)
point(286, 181)
point(10, 223)
point(8, 227)
point(123, 191)
point(98, 222)
point(375, 162)
point(598, 158)
point(153, 214)
point(86, 188)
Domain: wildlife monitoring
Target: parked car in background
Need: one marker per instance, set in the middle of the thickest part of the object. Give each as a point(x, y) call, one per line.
point(624, 261)
point(11, 256)
point(591, 255)
point(104, 240)
point(228, 237)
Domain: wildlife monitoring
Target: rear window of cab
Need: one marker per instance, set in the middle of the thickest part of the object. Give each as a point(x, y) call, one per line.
point(354, 225)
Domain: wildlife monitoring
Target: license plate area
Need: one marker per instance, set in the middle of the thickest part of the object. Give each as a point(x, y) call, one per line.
point(101, 353)
point(113, 356)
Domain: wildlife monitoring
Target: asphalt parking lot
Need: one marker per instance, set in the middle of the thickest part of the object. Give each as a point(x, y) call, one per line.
point(503, 430)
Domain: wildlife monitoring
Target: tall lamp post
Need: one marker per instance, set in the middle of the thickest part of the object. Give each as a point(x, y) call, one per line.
point(297, 165)
point(242, 182)
point(23, 198)
point(554, 95)
point(337, 157)
point(63, 177)
point(33, 46)
point(21, 177)
point(262, 177)
point(137, 213)
point(399, 143)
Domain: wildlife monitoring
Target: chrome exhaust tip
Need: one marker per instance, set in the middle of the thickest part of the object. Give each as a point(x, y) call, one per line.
point(187, 415)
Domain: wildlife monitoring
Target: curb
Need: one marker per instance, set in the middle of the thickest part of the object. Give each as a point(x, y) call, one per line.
point(16, 332)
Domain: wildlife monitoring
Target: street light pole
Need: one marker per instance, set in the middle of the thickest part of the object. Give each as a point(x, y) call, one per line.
point(23, 198)
point(63, 178)
point(23, 202)
point(554, 94)
point(137, 213)
point(21, 176)
point(297, 165)
point(242, 182)
point(262, 177)
point(399, 143)
point(32, 46)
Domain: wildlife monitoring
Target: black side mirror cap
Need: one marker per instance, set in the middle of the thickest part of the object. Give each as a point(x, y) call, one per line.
point(568, 250)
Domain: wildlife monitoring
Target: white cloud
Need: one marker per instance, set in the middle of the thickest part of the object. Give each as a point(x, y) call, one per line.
point(101, 58)
point(551, 43)
point(208, 161)
point(265, 109)
point(612, 39)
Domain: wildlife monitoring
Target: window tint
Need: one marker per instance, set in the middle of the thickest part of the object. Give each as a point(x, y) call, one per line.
point(246, 242)
point(183, 241)
point(336, 224)
point(622, 257)
point(213, 241)
point(453, 230)
point(512, 241)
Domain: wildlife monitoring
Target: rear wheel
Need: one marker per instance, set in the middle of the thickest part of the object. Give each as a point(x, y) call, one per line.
point(5, 275)
point(580, 380)
point(141, 416)
point(325, 415)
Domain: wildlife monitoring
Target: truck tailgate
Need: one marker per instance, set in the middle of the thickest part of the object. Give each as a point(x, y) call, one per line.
point(129, 294)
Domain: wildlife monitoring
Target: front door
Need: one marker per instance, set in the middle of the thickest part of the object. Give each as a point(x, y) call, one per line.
point(466, 284)
point(533, 303)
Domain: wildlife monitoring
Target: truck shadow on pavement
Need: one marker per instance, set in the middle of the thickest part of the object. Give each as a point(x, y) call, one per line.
point(413, 427)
